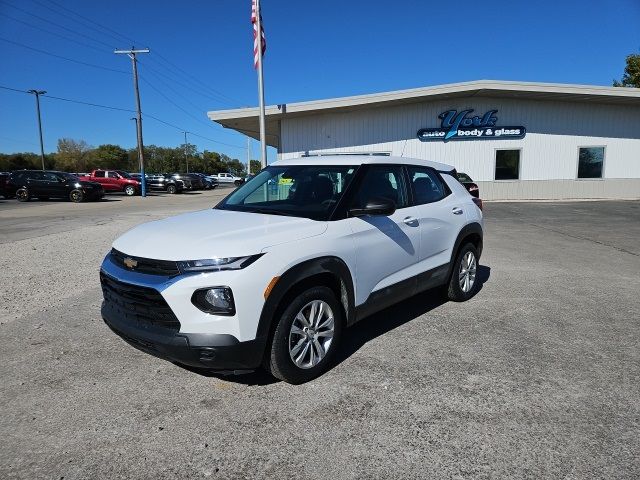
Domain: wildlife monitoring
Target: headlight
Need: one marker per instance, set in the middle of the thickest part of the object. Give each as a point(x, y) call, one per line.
point(217, 264)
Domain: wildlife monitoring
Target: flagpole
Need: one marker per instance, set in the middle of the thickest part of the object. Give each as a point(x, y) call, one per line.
point(263, 135)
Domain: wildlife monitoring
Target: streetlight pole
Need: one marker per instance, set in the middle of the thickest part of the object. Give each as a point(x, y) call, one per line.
point(37, 93)
point(132, 55)
point(186, 158)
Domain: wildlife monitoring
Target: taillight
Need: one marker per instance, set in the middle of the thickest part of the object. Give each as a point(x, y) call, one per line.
point(478, 202)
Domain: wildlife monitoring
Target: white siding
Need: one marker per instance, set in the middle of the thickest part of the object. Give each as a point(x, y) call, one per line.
point(549, 150)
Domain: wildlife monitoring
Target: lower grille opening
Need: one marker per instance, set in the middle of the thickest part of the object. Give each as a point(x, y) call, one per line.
point(138, 304)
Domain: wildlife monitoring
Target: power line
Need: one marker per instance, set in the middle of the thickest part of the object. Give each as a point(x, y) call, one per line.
point(30, 25)
point(64, 58)
point(182, 129)
point(186, 87)
point(57, 24)
point(168, 99)
point(104, 27)
point(187, 75)
point(191, 78)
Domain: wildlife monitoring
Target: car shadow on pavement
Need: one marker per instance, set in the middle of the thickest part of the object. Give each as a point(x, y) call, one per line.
point(368, 329)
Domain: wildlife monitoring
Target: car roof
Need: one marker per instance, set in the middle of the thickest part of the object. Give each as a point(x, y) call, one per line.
point(362, 160)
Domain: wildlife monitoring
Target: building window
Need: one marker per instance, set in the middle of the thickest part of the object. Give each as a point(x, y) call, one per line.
point(507, 164)
point(590, 161)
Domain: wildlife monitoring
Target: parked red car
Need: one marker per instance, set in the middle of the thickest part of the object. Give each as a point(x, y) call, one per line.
point(115, 181)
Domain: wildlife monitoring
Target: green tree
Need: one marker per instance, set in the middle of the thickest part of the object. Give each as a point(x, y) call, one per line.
point(255, 166)
point(109, 156)
point(72, 155)
point(631, 76)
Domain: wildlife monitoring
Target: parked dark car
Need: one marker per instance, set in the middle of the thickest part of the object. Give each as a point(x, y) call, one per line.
point(209, 182)
point(45, 184)
point(469, 184)
point(197, 182)
point(165, 183)
point(4, 177)
point(186, 180)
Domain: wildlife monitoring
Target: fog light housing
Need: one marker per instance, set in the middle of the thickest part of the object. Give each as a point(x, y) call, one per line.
point(214, 300)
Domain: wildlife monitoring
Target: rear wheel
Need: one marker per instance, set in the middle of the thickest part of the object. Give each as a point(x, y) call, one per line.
point(306, 337)
point(23, 195)
point(463, 283)
point(129, 190)
point(171, 189)
point(76, 196)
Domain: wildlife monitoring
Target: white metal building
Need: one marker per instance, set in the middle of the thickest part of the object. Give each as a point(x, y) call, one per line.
point(516, 140)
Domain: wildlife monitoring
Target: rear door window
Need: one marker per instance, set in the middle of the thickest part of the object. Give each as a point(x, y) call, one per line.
point(427, 185)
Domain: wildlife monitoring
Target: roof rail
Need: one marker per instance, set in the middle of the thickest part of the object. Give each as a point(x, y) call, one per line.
point(346, 154)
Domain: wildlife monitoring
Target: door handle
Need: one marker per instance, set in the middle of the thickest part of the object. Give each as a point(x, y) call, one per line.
point(457, 211)
point(411, 221)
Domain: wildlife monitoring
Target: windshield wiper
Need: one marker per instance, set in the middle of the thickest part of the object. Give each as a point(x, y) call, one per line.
point(268, 211)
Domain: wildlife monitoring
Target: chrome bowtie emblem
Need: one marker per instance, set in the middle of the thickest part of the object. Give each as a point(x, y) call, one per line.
point(130, 262)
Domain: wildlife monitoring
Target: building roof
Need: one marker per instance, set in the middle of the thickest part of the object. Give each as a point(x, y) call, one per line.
point(245, 120)
point(350, 159)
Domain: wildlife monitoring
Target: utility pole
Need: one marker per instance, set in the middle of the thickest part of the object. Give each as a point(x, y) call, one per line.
point(132, 55)
point(37, 93)
point(263, 135)
point(186, 158)
point(135, 119)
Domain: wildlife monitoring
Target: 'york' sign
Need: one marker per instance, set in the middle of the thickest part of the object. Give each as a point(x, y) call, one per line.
point(463, 126)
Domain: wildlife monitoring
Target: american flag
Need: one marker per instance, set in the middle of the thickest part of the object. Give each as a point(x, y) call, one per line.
point(254, 21)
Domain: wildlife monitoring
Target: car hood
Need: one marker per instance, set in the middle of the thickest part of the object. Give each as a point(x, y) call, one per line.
point(214, 233)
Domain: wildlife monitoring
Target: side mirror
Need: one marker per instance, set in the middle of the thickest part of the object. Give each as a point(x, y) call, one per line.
point(375, 206)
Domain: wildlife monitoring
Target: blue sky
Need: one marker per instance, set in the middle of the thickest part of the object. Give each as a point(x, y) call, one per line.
point(315, 50)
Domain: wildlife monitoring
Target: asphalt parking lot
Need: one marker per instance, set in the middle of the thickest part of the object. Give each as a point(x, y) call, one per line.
point(538, 376)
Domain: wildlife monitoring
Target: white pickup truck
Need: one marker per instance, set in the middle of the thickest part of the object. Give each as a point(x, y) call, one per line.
point(228, 178)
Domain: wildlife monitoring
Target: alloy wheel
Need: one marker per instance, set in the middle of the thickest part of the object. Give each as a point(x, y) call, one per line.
point(311, 334)
point(467, 274)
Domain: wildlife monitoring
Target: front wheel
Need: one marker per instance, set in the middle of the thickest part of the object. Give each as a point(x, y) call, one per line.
point(76, 196)
point(23, 195)
point(306, 337)
point(237, 183)
point(129, 190)
point(463, 283)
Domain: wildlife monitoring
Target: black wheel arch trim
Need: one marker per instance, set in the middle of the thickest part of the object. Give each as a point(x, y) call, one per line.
point(473, 228)
point(331, 265)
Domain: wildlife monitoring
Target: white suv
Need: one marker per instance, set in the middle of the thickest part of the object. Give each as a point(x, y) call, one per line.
point(274, 273)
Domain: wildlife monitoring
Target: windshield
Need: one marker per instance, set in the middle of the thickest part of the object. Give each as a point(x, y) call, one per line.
point(123, 174)
point(309, 191)
point(463, 177)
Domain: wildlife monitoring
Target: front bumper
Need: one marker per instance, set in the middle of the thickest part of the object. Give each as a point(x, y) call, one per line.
point(211, 351)
point(152, 312)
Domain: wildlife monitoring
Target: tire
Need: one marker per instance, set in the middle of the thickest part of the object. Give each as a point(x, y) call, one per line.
point(237, 183)
point(129, 190)
point(23, 195)
point(463, 283)
point(294, 338)
point(76, 196)
point(171, 189)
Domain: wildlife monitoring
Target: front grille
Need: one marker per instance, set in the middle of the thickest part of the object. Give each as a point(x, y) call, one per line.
point(138, 304)
point(145, 265)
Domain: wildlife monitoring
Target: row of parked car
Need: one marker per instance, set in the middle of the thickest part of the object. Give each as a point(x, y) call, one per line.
point(77, 187)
